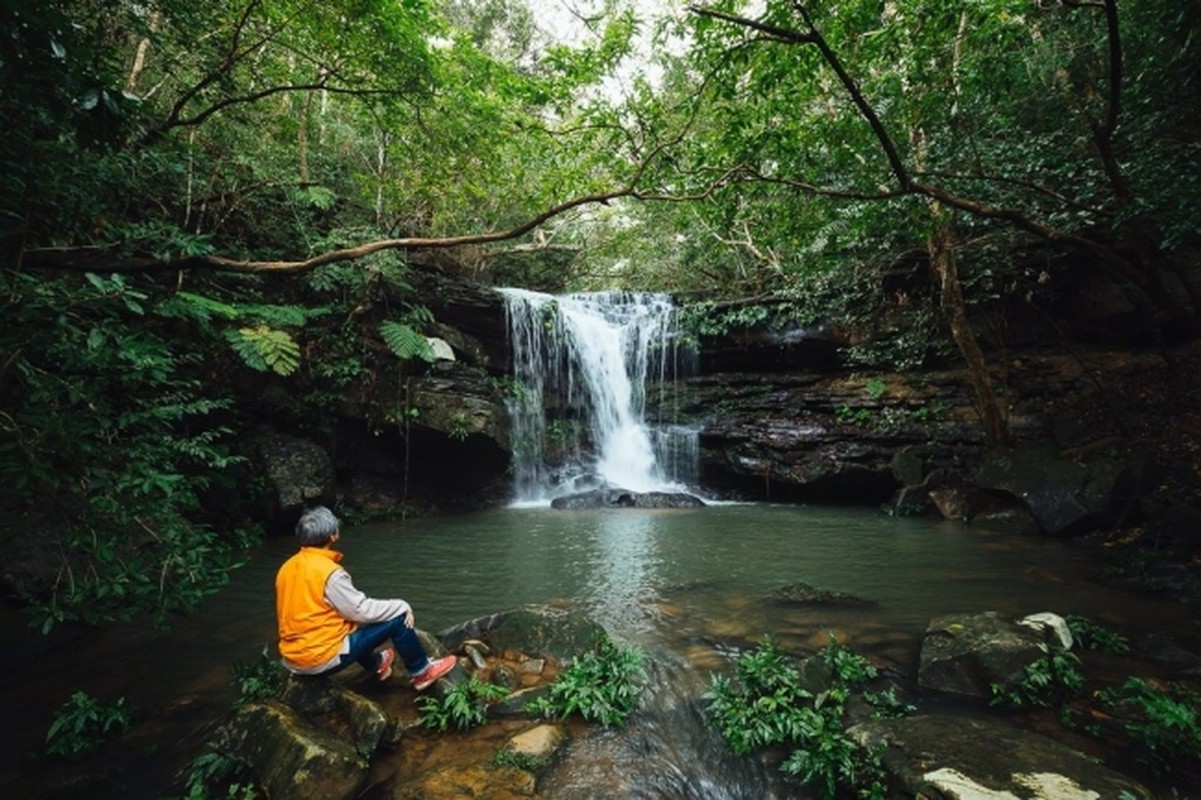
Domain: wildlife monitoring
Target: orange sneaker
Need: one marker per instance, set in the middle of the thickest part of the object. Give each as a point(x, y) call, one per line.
point(384, 670)
point(433, 672)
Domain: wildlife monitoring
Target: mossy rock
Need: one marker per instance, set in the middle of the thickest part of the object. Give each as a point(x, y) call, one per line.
point(553, 633)
point(800, 593)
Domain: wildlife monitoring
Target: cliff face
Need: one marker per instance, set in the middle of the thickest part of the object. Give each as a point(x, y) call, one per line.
point(783, 417)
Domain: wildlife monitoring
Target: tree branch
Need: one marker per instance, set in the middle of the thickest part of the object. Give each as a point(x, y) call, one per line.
point(813, 36)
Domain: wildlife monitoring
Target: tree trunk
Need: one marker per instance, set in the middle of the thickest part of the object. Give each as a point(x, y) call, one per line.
point(942, 261)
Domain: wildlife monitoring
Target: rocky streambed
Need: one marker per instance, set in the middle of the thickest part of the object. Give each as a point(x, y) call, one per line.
point(353, 737)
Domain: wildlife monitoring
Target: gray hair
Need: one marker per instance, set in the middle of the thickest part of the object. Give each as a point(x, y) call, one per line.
point(317, 526)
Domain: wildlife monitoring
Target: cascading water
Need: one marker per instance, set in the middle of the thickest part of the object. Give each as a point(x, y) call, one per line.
point(582, 368)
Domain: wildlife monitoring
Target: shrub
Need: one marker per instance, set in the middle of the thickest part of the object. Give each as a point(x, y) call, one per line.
point(765, 705)
point(260, 680)
point(83, 724)
point(1044, 682)
point(463, 705)
point(1092, 636)
point(601, 686)
point(1162, 723)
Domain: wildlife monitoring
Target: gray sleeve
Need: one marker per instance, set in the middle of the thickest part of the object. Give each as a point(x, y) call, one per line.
point(356, 606)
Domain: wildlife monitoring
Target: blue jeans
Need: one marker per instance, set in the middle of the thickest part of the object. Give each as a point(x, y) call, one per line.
point(366, 638)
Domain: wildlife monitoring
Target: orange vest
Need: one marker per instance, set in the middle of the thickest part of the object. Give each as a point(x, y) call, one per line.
point(310, 629)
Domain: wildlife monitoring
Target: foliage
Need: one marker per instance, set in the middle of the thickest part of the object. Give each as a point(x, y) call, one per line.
point(260, 680)
point(765, 705)
point(463, 705)
point(851, 670)
point(460, 426)
point(112, 435)
point(1093, 636)
point(1164, 724)
point(265, 349)
point(887, 705)
point(83, 724)
point(212, 775)
point(601, 686)
point(1043, 683)
point(404, 342)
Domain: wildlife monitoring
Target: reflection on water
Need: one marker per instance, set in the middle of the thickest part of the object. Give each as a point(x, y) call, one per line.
point(649, 574)
point(686, 586)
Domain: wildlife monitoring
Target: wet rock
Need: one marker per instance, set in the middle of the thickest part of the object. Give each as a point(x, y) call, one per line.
point(969, 653)
point(1065, 495)
point(804, 594)
point(623, 498)
point(542, 742)
point(957, 757)
point(473, 782)
point(289, 756)
point(475, 655)
point(1179, 660)
point(515, 704)
point(350, 714)
point(440, 349)
point(532, 630)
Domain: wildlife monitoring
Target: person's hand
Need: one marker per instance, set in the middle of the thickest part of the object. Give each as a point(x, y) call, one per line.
point(409, 618)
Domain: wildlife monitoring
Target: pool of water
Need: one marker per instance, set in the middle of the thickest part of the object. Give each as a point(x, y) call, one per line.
point(687, 586)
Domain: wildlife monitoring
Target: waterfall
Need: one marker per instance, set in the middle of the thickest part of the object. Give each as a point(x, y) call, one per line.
point(586, 368)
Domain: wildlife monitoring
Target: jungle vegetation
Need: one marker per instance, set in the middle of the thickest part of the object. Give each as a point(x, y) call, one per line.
point(196, 189)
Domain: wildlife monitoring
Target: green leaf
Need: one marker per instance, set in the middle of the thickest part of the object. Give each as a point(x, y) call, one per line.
point(404, 342)
point(265, 349)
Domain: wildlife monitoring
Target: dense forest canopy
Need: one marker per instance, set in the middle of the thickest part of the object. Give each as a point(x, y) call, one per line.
point(191, 188)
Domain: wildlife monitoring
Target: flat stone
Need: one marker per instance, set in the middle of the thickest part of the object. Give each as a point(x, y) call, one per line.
point(541, 741)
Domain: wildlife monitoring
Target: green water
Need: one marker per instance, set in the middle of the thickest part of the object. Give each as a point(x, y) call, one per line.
point(647, 574)
point(686, 585)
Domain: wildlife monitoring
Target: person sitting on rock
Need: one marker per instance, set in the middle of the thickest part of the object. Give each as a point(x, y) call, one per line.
point(325, 623)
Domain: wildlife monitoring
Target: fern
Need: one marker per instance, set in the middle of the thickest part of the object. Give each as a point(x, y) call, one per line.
point(276, 316)
point(405, 342)
point(195, 306)
point(264, 349)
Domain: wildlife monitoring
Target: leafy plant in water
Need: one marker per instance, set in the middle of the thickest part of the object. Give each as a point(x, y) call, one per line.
point(1043, 683)
point(464, 705)
point(83, 724)
point(601, 686)
point(1092, 636)
point(765, 705)
point(887, 705)
point(850, 669)
point(212, 775)
point(1164, 723)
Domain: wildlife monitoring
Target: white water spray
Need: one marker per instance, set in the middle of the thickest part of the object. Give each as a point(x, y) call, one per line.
point(582, 366)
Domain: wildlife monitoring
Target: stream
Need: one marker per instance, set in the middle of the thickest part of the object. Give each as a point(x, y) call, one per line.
point(691, 588)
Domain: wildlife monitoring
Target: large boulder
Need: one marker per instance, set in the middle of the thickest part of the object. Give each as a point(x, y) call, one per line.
point(312, 742)
point(535, 630)
point(969, 654)
point(959, 758)
point(1064, 494)
point(290, 757)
